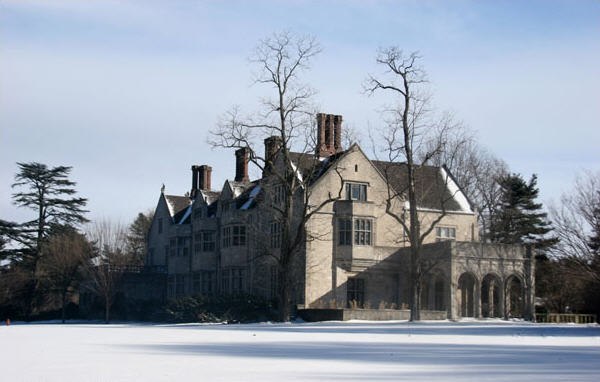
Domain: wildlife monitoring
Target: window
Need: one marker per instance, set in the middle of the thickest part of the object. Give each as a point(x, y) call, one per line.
point(278, 194)
point(238, 236)
point(275, 235)
point(151, 256)
point(445, 233)
point(362, 228)
point(160, 225)
point(356, 191)
point(197, 212)
point(355, 292)
point(234, 236)
point(208, 241)
point(344, 231)
point(183, 246)
point(362, 232)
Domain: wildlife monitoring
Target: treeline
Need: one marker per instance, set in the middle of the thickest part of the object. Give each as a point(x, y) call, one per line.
point(46, 261)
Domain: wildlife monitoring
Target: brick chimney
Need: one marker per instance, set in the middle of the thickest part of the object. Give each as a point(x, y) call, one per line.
point(329, 134)
point(241, 164)
point(194, 181)
point(272, 146)
point(204, 175)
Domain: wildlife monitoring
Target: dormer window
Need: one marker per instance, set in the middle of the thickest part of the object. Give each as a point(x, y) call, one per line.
point(356, 191)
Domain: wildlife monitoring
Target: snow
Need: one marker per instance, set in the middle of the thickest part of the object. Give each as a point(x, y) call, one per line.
point(455, 191)
point(188, 212)
point(255, 191)
point(476, 350)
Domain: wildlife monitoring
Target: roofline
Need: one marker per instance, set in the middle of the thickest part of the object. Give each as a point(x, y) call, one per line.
point(471, 204)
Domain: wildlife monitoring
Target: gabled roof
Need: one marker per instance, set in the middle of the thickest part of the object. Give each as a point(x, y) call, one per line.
point(210, 196)
point(247, 199)
point(431, 185)
point(312, 167)
point(435, 187)
point(178, 206)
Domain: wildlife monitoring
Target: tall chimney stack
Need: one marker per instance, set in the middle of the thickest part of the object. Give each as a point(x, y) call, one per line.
point(241, 164)
point(204, 175)
point(329, 134)
point(272, 146)
point(194, 181)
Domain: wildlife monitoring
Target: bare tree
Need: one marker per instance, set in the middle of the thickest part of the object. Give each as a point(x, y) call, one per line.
point(62, 263)
point(106, 268)
point(287, 118)
point(474, 168)
point(575, 220)
point(414, 135)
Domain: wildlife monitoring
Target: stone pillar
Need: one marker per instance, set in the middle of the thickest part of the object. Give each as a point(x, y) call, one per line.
point(502, 300)
point(529, 287)
point(477, 298)
point(451, 307)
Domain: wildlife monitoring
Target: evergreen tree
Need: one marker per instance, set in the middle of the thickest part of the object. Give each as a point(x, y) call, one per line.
point(49, 193)
point(519, 218)
point(137, 237)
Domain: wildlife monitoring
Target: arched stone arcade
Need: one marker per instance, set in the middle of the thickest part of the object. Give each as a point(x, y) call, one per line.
point(492, 296)
point(515, 296)
point(467, 295)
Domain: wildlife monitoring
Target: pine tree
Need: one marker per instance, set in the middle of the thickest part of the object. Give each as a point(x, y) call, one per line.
point(49, 193)
point(137, 237)
point(519, 218)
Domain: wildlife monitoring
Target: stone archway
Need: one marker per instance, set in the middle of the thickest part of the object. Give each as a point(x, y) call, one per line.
point(492, 296)
point(467, 289)
point(514, 292)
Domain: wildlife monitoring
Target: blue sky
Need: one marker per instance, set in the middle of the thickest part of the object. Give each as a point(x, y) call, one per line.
point(126, 91)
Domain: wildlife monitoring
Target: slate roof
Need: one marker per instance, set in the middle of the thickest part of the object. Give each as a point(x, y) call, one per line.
point(177, 206)
point(431, 185)
point(311, 166)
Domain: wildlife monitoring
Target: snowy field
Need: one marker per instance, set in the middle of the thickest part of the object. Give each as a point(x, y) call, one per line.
point(475, 351)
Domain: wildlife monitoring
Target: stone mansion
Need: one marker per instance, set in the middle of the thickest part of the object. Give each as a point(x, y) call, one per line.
point(355, 256)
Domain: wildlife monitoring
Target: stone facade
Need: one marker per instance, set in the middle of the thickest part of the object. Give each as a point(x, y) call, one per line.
point(355, 254)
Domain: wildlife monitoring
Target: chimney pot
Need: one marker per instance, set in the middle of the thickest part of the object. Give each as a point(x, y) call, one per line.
point(194, 189)
point(329, 134)
point(272, 146)
point(204, 178)
point(242, 157)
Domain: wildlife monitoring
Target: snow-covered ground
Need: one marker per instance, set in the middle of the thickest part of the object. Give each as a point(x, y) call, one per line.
point(477, 351)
